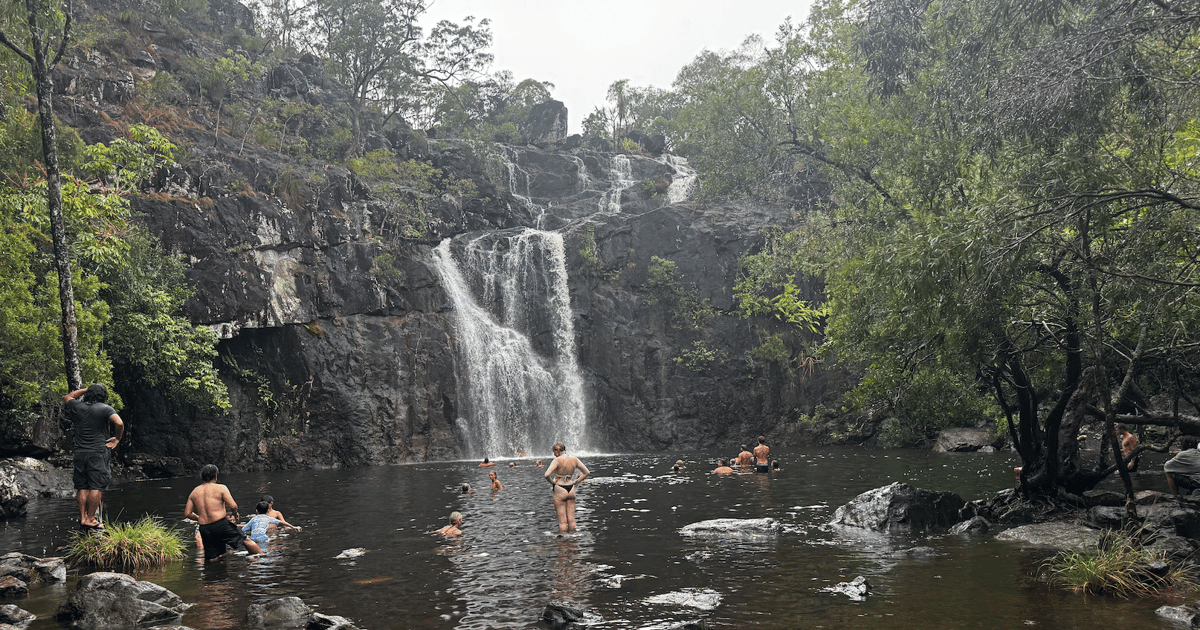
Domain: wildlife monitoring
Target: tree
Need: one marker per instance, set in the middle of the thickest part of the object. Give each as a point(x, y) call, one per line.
point(44, 21)
point(383, 57)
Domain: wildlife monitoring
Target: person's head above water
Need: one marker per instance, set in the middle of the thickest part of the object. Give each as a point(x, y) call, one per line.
point(268, 498)
point(456, 518)
point(492, 475)
point(263, 507)
point(744, 448)
point(209, 472)
point(762, 440)
point(558, 448)
point(466, 487)
point(485, 460)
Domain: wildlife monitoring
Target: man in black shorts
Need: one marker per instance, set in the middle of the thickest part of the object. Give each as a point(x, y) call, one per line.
point(214, 508)
point(91, 417)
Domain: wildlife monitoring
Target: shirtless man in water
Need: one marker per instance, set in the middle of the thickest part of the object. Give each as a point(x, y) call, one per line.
point(559, 473)
point(212, 505)
point(761, 453)
point(744, 459)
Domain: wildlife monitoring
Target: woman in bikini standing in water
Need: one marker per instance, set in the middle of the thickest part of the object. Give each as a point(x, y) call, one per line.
point(559, 473)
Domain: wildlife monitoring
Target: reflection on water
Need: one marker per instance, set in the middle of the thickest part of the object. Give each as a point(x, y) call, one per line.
point(628, 566)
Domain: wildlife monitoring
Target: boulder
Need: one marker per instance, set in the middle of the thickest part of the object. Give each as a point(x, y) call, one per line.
point(900, 507)
point(1148, 497)
point(103, 601)
point(1185, 616)
point(1054, 535)
point(283, 611)
point(546, 123)
point(32, 569)
point(16, 617)
point(963, 440)
point(13, 587)
point(1180, 519)
point(974, 526)
point(25, 478)
point(1106, 517)
point(1094, 498)
point(1171, 546)
point(559, 617)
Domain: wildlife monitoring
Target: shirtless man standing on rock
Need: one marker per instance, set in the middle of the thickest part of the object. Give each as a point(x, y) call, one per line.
point(212, 505)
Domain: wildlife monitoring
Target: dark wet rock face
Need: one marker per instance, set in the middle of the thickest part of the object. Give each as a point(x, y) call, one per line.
point(12, 616)
point(900, 507)
point(24, 478)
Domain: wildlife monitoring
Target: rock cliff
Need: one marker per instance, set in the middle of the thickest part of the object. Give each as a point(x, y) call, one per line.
point(338, 337)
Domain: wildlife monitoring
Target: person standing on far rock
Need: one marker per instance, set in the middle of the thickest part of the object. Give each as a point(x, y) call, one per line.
point(1183, 470)
point(761, 454)
point(91, 417)
point(213, 507)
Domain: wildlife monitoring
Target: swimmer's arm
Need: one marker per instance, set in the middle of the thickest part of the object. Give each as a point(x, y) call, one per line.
point(287, 524)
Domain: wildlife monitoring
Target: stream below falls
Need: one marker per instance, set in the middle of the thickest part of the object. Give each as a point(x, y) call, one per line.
point(628, 566)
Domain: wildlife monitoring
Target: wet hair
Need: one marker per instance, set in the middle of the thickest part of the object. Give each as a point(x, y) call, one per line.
point(744, 448)
point(455, 518)
point(485, 460)
point(559, 446)
point(262, 507)
point(209, 472)
point(720, 462)
point(762, 440)
point(466, 487)
point(267, 498)
point(96, 393)
point(1188, 441)
point(512, 464)
point(775, 464)
point(675, 468)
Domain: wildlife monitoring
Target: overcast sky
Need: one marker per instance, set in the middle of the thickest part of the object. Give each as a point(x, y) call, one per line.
point(582, 46)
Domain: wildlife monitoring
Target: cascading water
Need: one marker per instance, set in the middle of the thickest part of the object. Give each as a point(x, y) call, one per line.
point(622, 178)
point(684, 183)
point(519, 381)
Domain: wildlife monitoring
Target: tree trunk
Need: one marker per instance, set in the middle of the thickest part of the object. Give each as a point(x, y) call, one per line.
point(58, 233)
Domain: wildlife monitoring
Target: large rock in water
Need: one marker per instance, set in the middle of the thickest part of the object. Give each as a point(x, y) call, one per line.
point(104, 601)
point(898, 507)
point(963, 440)
point(25, 478)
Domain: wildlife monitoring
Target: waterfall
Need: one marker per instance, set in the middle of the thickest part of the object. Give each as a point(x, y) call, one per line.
point(684, 182)
point(519, 385)
point(622, 178)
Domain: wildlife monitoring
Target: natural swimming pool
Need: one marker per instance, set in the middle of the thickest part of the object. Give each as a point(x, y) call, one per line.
point(628, 566)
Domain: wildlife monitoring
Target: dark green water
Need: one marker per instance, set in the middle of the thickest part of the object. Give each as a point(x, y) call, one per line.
point(629, 566)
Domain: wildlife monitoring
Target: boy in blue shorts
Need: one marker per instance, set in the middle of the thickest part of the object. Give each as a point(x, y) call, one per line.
point(257, 526)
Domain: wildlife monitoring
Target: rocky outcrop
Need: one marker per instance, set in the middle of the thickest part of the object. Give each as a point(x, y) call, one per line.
point(290, 611)
point(15, 617)
point(1056, 535)
point(964, 440)
point(900, 507)
point(546, 124)
point(32, 569)
point(103, 601)
point(25, 478)
point(732, 528)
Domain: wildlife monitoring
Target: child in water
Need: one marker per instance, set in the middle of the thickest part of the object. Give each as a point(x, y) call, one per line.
point(257, 526)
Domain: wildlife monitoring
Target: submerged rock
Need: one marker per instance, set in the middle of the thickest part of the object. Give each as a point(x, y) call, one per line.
point(560, 617)
point(900, 507)
point(114, 600)
point(351, 553)
point(1056, 535)
point(732, 527)
point(13, 587)
point(278, 612)
point(329, 622)
point(856, 589)
point(976, 525)
point(1185, 615)
point(701, 599)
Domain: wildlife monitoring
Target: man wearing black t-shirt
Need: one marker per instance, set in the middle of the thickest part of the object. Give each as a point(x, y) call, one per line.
point(91, 417)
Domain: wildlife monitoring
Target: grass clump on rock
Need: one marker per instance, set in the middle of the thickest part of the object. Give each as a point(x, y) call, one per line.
point(143, 544)
point(1121, 566)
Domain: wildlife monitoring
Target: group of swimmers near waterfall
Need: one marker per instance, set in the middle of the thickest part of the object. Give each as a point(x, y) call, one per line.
point(562, 471)
point(216, 515)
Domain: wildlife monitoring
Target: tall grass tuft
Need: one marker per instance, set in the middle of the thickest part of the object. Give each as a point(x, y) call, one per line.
point(143, 544)
point(1120, 566)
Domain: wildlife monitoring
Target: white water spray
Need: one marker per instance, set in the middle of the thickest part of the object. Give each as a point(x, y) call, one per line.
point(519, 381)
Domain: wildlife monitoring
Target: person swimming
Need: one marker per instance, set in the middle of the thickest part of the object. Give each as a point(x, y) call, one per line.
point(466, 488)
point(486, 464)
point(496, 485)
point(456, 520)
point(560, 473)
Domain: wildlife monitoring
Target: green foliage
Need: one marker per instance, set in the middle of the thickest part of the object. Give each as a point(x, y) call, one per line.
point(215, 78)
point(1118, 567)
point(590, 252)
point(404, 189)
point(699, 358)
point(147, 334)
point(772, 350)
point(384, 266)
point(688, 311)
point(138, 546)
